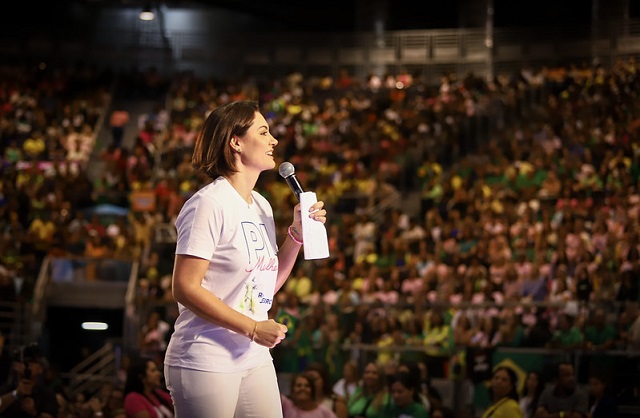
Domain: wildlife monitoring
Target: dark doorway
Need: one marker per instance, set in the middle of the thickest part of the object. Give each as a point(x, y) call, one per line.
point(67, 343)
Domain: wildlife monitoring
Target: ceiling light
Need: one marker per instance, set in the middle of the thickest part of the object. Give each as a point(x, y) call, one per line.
point(147, 14)
point(95, 326)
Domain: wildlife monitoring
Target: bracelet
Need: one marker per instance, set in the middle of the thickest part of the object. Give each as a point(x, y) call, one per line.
point(98, 414)
point(253, 334)
point(296, 240)
point(15, 394)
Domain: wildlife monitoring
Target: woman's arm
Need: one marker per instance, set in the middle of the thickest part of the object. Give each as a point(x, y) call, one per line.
point(188, 272)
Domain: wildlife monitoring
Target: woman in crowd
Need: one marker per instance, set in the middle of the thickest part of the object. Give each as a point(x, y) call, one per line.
point(144, 396)
point(324, 391)
point(302, 401)
point(347, 384)
point(406, 399)
point(533, 386)
point(504, 395)
point(372, 396)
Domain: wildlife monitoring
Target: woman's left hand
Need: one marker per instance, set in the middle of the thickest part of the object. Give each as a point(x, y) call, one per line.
point(316, 212)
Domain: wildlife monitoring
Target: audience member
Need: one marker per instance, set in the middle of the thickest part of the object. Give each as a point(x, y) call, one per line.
point(346, 385)
point(531, 391)
point(564, 398)
point(154, 336)
point(302, 401)
point(406, 401)
point(323, 389)
point(31, 395)
point(602, 404)
point(372, 396)
point(144, 393)
point(503, 389)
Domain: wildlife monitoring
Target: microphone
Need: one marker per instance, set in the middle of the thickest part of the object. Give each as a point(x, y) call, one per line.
point(314, 234)
point(288, 172)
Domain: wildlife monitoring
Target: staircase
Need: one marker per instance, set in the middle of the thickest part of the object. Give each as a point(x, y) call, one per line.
point(100, 367)
point(136, 108)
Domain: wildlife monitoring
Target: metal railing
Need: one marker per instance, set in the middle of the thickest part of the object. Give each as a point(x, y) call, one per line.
point(99, 367)
point(428, 52)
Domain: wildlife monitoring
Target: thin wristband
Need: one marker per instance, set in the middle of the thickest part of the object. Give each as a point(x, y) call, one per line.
point(296, 240)
point(253, 334)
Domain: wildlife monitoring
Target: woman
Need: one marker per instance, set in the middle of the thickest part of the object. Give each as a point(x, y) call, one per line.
point(226, 273)
point(347, 384)
point(533, 386)
point(428, 395)
point(406, 400)
point(371, 397)
point(504, 395)
point(153, 338)
point(302, 403)
point(323, 389)
point(144, 396)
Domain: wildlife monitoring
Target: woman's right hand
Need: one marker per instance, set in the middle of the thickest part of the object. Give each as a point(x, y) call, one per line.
point(269, 333)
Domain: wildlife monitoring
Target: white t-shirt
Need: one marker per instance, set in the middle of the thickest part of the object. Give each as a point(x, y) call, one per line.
point(239, 239)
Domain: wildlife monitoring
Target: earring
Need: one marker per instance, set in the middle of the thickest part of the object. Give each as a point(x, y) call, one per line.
point(237, 149)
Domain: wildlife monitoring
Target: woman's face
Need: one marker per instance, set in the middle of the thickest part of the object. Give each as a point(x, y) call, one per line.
point(349, 371)
point(370, 375)
point(402, 395)
point(152, 375)
point(317, 380)
point(301, 389)
point(256, 146)
point(501, 384)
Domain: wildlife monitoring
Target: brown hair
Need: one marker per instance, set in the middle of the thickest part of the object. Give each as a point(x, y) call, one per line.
point(212, 154)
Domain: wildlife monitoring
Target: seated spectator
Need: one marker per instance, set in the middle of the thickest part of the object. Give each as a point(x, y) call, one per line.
point(323, 390)
point(429, 396)
point(438, 339)
point(346, 385)
point(405, 395)
point(602, 404)
point(600, 335)
point(299, 284)
point(28, 393)
point(154, 336)
point(442, 412)
point(144, 394)
point(503, 389)
point(510, 332)
point(302, 402)
point(531, 391)
point(567, 336)
point(372, 396)
point(564, 397)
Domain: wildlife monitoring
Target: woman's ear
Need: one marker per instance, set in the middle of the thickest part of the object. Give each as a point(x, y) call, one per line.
point(235, 143)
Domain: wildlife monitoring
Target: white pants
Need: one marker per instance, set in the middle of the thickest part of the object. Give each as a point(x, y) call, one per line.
point(252, 393)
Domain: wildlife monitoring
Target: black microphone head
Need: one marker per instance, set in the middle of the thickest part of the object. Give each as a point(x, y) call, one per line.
point(286, 169)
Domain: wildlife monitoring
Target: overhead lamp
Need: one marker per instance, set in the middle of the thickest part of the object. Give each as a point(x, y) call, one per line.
point(95, 326)
point(147, 14)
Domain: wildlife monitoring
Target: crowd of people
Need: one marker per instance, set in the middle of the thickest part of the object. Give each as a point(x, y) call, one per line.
point(526, 234)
